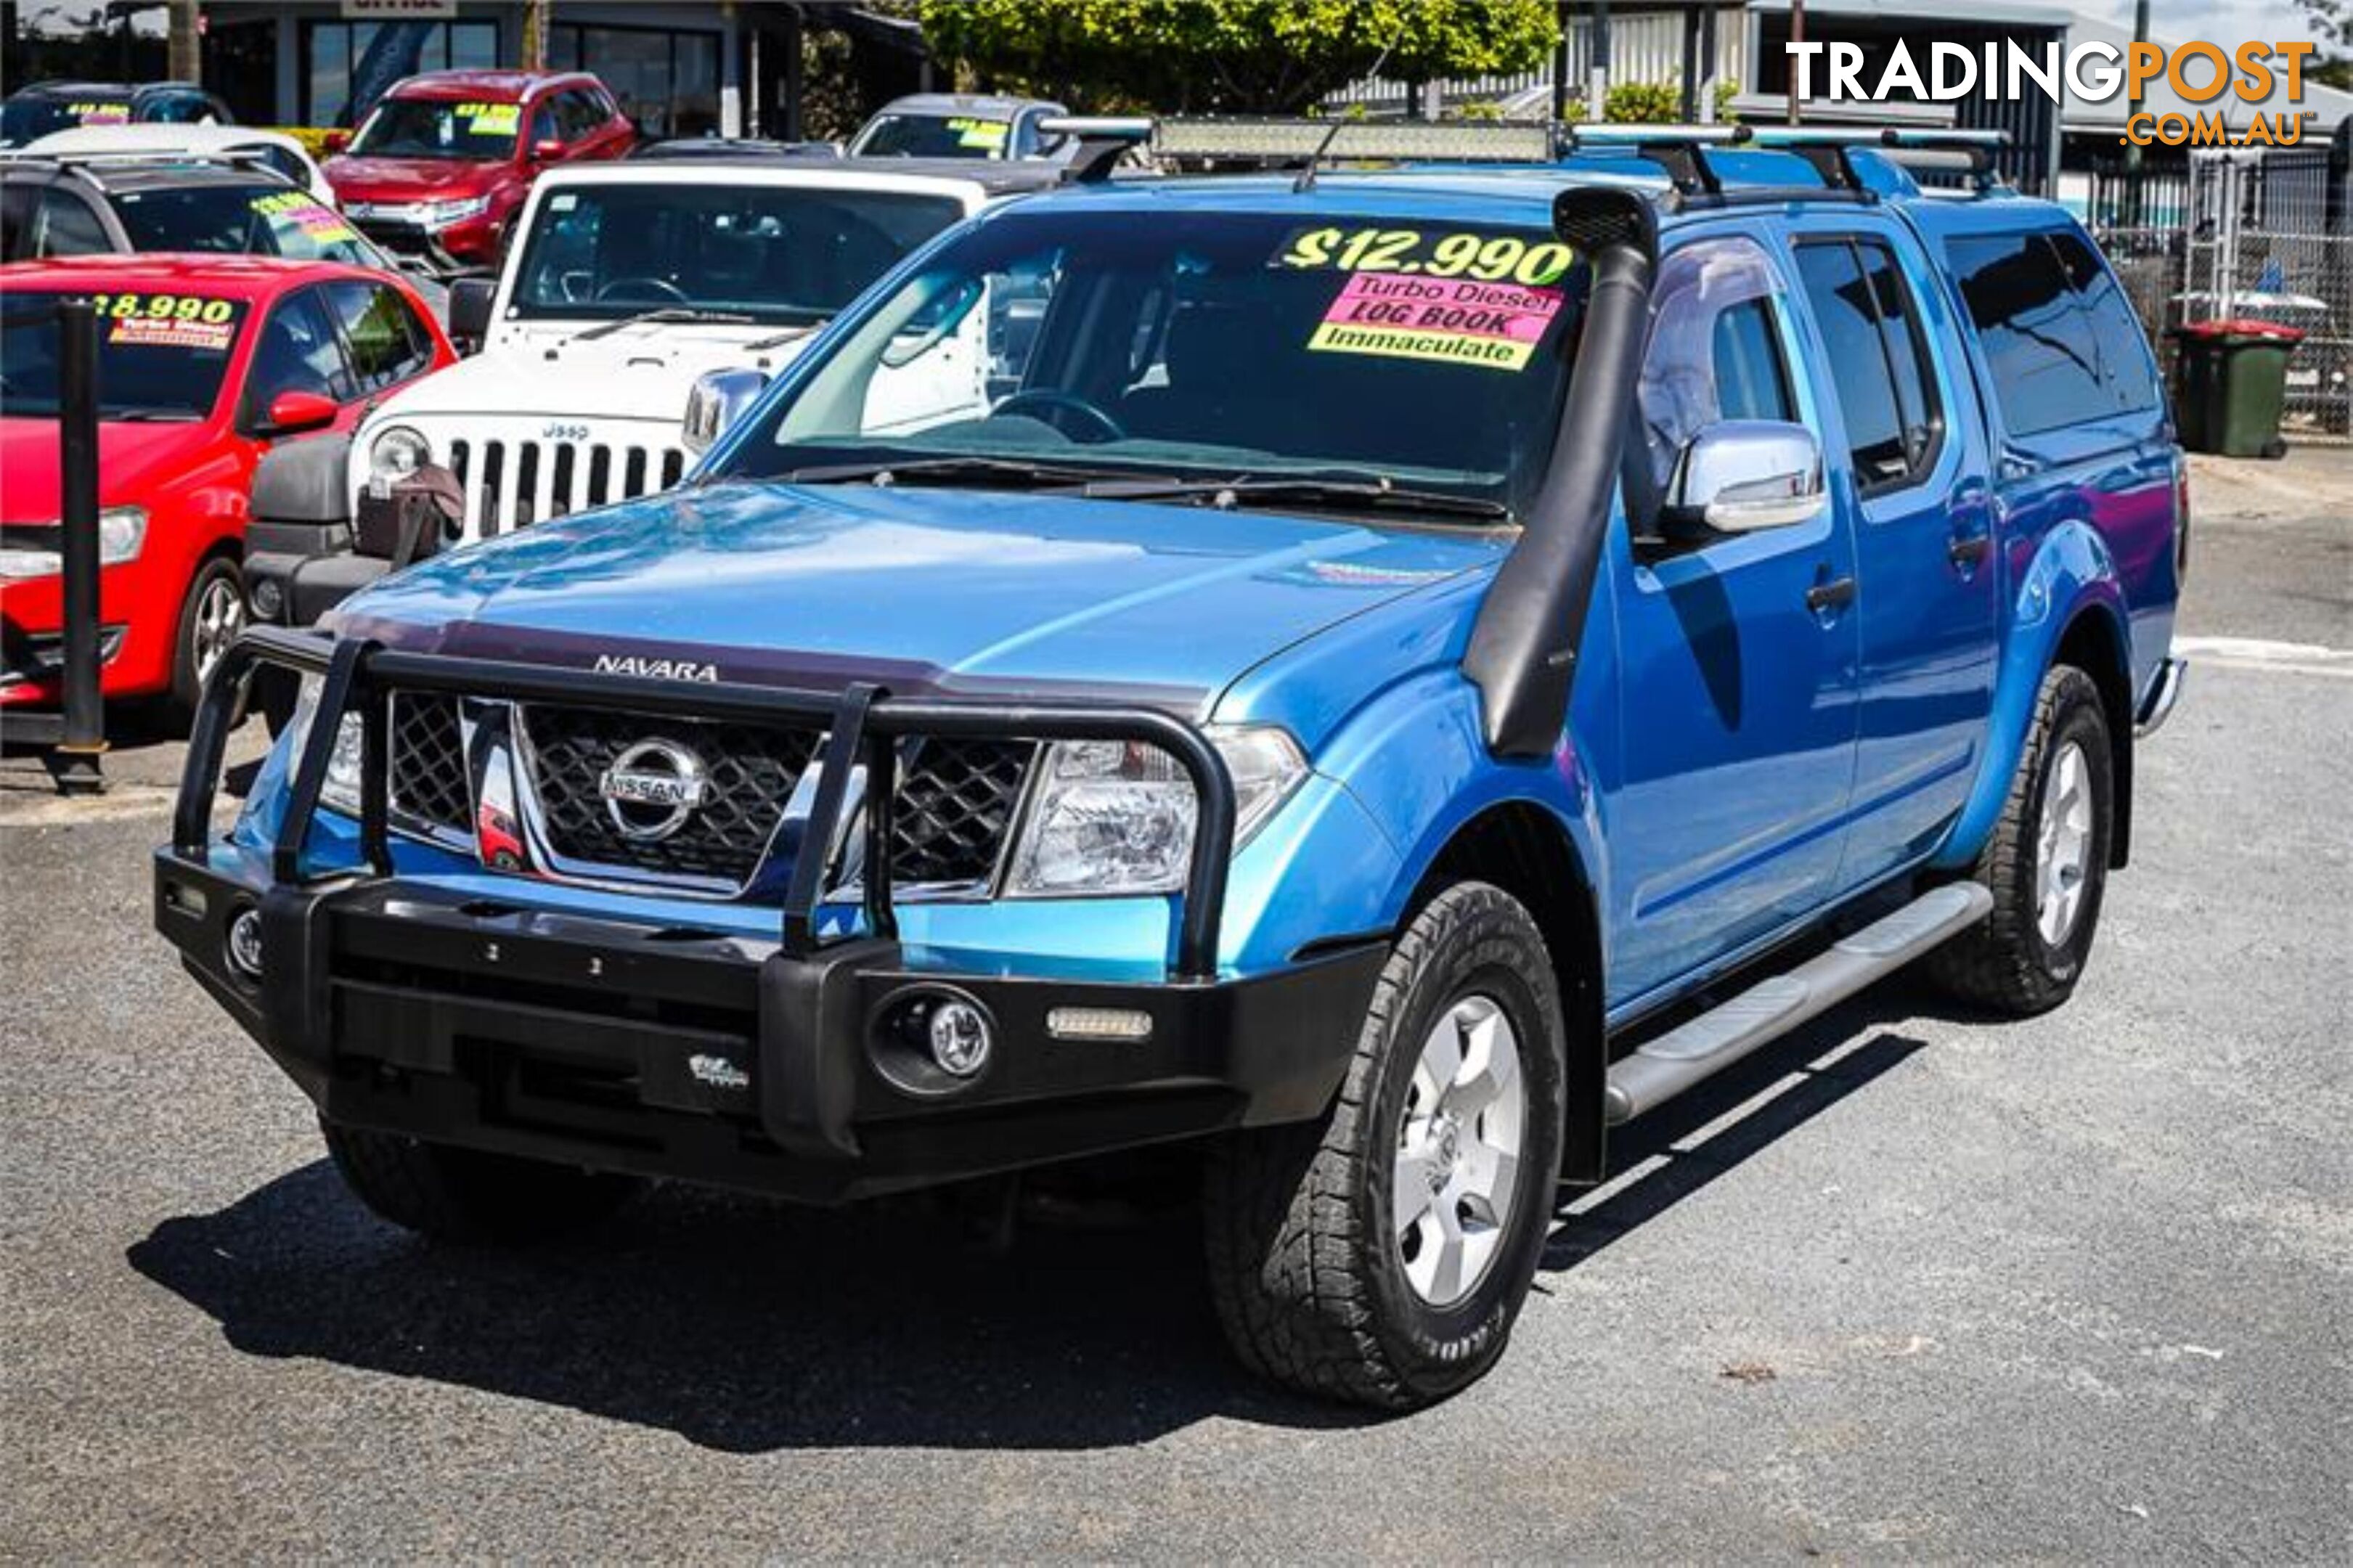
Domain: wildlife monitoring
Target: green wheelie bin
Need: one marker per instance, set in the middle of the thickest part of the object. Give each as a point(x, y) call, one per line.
point(2230, 384)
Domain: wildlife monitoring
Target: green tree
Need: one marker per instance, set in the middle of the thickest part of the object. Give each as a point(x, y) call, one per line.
point(2332, 28)
point(1233, 56)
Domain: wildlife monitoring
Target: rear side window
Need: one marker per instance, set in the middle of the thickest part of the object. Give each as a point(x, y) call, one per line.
point(69, 227)
point(1878, 364)
point(2038, 340)
point(386, 342)
point(16, 221)
point(2125, 364)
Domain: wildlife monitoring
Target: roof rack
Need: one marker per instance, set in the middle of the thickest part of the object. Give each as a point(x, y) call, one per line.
point(1683, 152)
point(255, 158)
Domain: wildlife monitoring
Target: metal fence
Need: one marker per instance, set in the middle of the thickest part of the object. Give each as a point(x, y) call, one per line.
point(2265, 235)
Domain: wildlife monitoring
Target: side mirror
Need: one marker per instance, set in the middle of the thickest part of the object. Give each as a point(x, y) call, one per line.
point(291, 412)
point(718, 399)
point(546, 150)
point(1740, 475)
point(336, 142)
point(470, 308)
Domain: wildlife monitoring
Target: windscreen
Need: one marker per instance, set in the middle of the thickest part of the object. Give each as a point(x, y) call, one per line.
point(160, 354)
point(935, 136)
point(259, 219)
point(23, 119)
point(440, 128)
point(786, 254)
point(1249, 346)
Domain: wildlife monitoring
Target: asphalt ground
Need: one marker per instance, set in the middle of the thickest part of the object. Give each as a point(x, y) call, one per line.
point(1911, 1284)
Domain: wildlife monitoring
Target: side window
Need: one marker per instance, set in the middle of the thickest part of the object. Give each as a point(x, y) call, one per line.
point(386, 344)
point(69, 227)
point(297, 351)
point(577, 116)
point(16, 204)
point(2038, 341)
point(1878, 360)
point(2125, 359)
point(1714, 349)
point(542, 122)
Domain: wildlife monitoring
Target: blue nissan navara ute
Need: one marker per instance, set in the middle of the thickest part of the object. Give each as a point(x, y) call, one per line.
point(1390, 675)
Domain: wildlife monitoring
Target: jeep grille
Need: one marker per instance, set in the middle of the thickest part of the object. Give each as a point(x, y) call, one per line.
point(512, 484)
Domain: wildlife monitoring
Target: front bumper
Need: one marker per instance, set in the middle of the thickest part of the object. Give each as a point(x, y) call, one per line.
point(790, 1066)
point(668, 1053)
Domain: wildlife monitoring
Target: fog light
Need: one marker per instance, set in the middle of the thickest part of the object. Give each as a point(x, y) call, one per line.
point(268, 598)
point(959, 1036)
point(245, 943)
point(1097, 1024)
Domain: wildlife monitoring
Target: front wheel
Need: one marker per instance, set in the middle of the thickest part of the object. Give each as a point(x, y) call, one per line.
point(211, 616)
point(1380, 1254)
point(2047, 862)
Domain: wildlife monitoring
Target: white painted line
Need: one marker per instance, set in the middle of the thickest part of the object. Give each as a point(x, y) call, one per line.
point(2263, 653)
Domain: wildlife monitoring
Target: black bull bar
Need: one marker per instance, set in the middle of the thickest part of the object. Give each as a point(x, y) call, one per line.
point(861, 725)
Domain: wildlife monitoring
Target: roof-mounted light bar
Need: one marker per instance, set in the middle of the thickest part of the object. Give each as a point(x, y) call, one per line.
point(1221, 138)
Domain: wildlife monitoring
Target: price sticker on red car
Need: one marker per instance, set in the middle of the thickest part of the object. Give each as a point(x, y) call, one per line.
point(200, 322)
point(491, 119)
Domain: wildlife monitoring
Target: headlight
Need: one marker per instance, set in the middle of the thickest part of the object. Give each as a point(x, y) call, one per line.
point(341, 792)
point(396, 453)
point(1114, 816)
point(441, 215)
point(121, 530)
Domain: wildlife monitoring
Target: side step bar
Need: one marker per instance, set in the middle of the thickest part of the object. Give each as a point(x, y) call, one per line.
point(1708, 1044)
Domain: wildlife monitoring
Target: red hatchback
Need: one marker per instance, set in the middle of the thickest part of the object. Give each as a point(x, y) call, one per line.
point(203, 363)
point(441, 164)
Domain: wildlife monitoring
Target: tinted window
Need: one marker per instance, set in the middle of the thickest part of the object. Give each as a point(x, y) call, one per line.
point(16, 221)
point(577, 116)
point(176, 108)
point(933, 136)
point(386, 342)
point(2124, 358)
point(69, 226)
point(1871, 329)
point(297, 352)
point(1715, 352)
point(256, 219)
point(438, 128)
point(2038, 341)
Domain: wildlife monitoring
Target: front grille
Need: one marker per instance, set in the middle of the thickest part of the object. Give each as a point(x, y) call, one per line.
point(514, 484)
point(957, 798)
point(428, 763)
point(749, 771)
point(955, 808)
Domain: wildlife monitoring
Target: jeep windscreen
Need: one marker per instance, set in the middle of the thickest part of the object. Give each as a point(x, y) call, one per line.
point(160, 355)
point(935, 136)
point(1237, 359)
point(465, 130)
point(264, 218)
point(781, 256)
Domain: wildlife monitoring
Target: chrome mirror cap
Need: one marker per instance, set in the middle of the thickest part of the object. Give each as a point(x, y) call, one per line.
point(1740, 475)
point(718, 398)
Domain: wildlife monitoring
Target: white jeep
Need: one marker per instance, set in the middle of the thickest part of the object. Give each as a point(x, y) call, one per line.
point(626, 282)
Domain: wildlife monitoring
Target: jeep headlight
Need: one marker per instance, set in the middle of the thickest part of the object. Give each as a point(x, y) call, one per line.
point(121, 530)
point(396, 453)
point(340, 790)
point(1116, 817)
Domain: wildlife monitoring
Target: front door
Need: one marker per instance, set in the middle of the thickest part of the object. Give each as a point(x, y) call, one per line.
point(1924, 539)
point(1736, 674)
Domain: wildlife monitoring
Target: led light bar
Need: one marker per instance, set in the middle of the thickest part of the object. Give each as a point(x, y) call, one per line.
point(1099, 1024)
point(1388, 141)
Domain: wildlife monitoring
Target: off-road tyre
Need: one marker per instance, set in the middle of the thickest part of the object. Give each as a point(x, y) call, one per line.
point(467, 1195)
point(1303, 1268)
point(2004, 964)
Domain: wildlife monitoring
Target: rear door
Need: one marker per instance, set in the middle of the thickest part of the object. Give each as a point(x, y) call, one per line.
point(1926, 602)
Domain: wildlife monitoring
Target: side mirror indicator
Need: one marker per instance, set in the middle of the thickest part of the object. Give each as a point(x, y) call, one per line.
point(1740, 475)
point(718, 399)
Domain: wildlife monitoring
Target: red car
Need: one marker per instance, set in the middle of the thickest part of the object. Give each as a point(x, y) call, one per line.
point(442, 163)
point(203, 363)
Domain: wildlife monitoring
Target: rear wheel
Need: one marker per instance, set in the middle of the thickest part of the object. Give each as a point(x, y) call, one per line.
point(465, 1194)
point(1380, 1254)
point(2047, 862)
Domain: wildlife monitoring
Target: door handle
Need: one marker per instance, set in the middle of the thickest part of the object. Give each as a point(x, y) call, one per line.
point(1835, 594)
point(1968, 551)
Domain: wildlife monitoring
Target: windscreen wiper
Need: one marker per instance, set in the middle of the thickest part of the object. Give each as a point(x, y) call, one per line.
point(1308, 490)
point(790, 334)
point(660, 314)
point(1010, 472)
